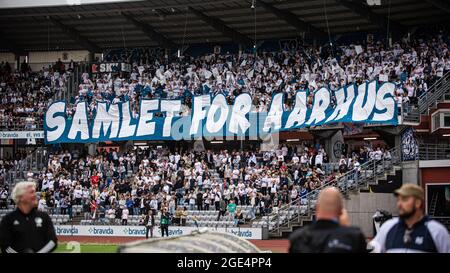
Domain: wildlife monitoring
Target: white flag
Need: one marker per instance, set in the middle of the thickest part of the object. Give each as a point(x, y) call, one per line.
point(168, 74)
point(207, 74)
point(141, 69)
point(250, 73)
point(383, 78)
point(215, 72)
point(159, 74)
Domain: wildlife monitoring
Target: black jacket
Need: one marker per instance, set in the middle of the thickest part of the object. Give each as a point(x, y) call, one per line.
point(31, 232)
point(325, 236)
point(149, 220)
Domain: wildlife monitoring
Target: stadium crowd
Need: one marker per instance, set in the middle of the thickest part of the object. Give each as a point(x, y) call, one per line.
point(412, 64)
point(24, 94)
point(163, 179)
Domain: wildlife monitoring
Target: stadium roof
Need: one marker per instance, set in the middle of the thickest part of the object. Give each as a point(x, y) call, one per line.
point(171, 23)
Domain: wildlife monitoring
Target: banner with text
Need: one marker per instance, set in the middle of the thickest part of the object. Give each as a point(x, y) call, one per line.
point(212, 117)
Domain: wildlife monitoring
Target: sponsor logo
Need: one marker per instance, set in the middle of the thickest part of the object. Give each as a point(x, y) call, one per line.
point(64, 231)
point(172, 232)
point(134, 231)
point(244, 234)
point(100, 231)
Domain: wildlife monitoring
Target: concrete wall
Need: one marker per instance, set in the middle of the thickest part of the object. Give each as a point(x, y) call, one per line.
point(362, 206)
point(410, 172)
point(53, 56)
point(39, 59)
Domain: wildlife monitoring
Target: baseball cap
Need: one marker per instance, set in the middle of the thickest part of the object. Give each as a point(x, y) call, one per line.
point(410, 190)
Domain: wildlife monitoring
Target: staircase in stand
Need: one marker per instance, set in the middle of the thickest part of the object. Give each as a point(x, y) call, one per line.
point(301, 212)
point(410, 114)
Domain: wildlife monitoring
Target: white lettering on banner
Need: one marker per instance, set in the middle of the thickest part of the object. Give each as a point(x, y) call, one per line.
point(385, 104)
point(343, 102)
point(321, 103)
point(298, 115)
point(212, 117)
point(127, 129)
point(367, 93)
point(56, 124)
point(79, 123)
point(139, 231)
point(106, 120)
point(275, 113)
point(171, 107)
point(113, 67)
point(146, 127)
point(242, 106)
point(199, 111)
point(219, 103)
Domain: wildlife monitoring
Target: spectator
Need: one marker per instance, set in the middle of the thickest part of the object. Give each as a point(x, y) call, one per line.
point(412, 231)
point(231, 209)
point(149, 223)
point(328, 234)
point(164, 222)
point(222, 209)
point(3, 198)
point(238, 218)
point(111, 215)
point(125, 213)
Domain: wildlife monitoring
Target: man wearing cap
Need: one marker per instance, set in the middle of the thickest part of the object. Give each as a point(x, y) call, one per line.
point(412, 231)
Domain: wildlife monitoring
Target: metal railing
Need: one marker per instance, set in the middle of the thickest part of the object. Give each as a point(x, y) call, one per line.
point(35, 161)
point(331, 167)
point(75, 79)
point(434, 151)
point(304, 207)
point(434, 94)
point(410, 113)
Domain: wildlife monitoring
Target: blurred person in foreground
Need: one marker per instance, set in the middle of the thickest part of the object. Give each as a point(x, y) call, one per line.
point(26, 229)
point(331, 232)
point(412, 231)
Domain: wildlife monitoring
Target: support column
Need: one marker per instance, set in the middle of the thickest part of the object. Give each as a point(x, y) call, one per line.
point(410, 172)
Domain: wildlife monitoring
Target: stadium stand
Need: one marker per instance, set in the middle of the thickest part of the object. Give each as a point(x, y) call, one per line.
point(275, 189)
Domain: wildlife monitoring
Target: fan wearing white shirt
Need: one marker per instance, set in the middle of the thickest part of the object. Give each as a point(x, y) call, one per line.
point(319, 159)
point(295, 159)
